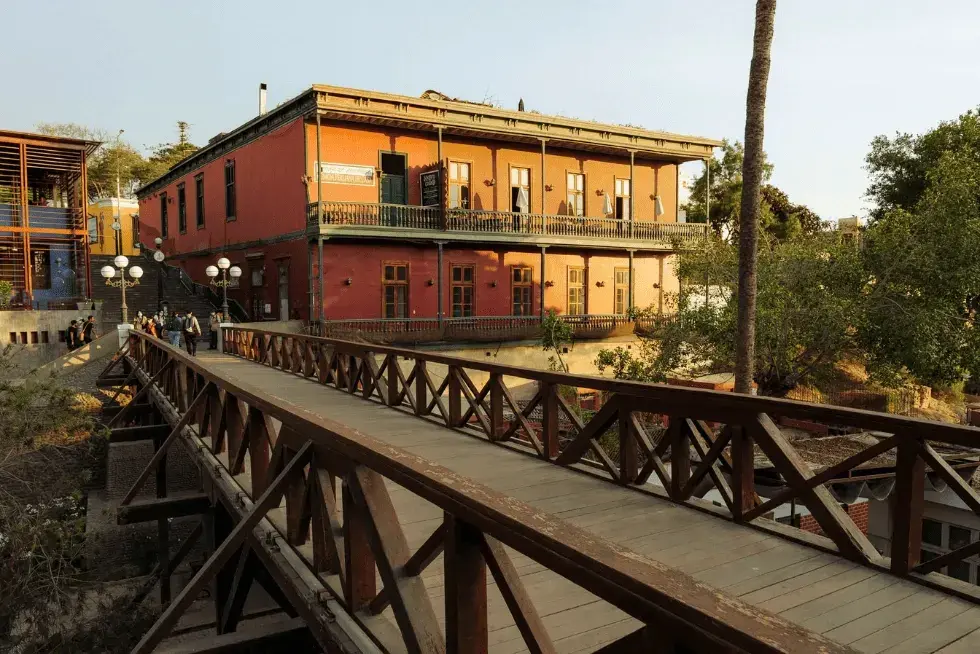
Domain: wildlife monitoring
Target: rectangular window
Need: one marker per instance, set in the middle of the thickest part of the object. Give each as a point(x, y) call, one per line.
point(181, 209)
point(136, 229)
point(462, 291)
point(521, 291)
point(520, 190)
point(932, 532)
point(395, 290)
point(230, 190)
point(576, 291)
point(163, 215)
point(621, 286)
point(199, 199)
point(459, 185)
point(622, 199)
point(576, 194)
point(93, 229)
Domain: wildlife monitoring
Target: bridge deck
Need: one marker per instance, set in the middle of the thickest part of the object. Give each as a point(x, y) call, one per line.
point(869, 610)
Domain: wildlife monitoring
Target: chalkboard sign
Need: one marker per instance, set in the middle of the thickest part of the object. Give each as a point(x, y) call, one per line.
point(431, 188)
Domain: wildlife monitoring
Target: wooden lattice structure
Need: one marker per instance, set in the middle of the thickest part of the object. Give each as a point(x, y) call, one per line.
point(43, 239)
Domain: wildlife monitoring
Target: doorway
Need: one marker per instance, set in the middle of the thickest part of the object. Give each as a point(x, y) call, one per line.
point(283, 290)
point(394, 170)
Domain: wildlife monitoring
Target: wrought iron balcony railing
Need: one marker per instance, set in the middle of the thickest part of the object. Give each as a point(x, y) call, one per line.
point(501, 222)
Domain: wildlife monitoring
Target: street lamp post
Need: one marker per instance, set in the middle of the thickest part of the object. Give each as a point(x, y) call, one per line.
point(226, 269)
point(159, 256)
point(108, 272)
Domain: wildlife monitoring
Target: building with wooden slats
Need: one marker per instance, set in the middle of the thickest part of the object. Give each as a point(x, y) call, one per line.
point(43, 237)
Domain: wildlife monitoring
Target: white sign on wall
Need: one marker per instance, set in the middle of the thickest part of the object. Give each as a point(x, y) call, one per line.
point(335, 173)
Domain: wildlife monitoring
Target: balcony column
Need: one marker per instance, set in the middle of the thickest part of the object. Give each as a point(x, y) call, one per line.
point(677, 193)
point(439, 283)
point(316, 176)
point(630, 282)
point(632, 205)
point(442, 185)
point(544, 213)
point(543, 250)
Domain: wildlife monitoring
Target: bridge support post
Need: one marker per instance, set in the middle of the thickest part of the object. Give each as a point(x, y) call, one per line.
point(907, 507)
point(466, 589)
point(743, 473)
point(360, 586)
point(549, 420)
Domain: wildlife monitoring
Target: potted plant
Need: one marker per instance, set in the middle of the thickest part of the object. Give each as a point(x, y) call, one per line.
point(6, 290)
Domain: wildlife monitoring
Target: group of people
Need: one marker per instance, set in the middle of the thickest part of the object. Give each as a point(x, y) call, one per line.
point(170, 326)
point(80, 332)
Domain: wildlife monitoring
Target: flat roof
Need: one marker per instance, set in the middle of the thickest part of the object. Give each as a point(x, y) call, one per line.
point(49, 140)
point(433, 111)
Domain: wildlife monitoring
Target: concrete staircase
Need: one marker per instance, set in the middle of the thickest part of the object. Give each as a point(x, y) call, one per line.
point(161, 285)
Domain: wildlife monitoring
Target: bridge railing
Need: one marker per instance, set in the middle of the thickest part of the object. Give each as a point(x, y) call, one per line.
point(257, 449)
point(716, 451)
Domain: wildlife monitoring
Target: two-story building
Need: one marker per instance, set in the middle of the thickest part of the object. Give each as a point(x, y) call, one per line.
point(43, 239)
point(343, 203)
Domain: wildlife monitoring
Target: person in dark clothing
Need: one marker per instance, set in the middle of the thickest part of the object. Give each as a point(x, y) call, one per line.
point(192, 329)
point(71, 336)
point(88, 331)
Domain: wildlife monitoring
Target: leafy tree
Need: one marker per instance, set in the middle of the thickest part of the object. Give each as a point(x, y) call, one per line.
point(779, 217)
point(117, 157)
point(923, 264)
point(809, 292)
point(163, 157)
point(900, 167)
point(114, 157)
point(555, 334)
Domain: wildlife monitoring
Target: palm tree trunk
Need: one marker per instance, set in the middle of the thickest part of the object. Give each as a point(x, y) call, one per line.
point(755, 114)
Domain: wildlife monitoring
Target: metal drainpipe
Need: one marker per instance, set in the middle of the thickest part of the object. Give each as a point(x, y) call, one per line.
point(632, 204)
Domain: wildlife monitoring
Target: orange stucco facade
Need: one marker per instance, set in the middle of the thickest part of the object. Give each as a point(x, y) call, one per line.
point(263, 215)
point(490, 165)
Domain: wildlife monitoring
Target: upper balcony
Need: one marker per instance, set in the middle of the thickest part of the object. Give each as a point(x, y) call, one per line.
point(361, 219)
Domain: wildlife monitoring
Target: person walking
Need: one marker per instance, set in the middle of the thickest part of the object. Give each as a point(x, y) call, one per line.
point(174, 327)
point(79, 325)
point(71, 336)
point(158, 321)
point(192, 329)
point(215, 325)
point(88, 332)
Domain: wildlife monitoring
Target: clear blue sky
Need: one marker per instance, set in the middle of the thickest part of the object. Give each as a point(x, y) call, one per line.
point(843, 70)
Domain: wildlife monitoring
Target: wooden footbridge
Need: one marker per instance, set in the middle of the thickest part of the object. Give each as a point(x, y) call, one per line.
point(390, 500)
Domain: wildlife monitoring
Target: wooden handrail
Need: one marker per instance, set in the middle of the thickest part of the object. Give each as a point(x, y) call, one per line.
point(695, 615)
point(688, 453)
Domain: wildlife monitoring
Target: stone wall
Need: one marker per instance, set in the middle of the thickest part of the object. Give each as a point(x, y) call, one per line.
point(37, 337)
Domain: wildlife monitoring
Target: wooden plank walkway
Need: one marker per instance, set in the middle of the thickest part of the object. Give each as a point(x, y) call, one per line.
point(866, 609)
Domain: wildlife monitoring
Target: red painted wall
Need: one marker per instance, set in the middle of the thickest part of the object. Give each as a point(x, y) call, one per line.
point(271, 196)
point(363, 265)
point(268, 257)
